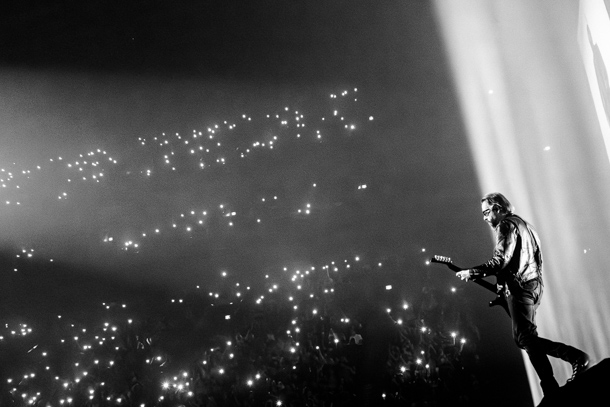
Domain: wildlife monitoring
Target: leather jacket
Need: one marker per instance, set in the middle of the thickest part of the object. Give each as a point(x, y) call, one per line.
point(516, 256)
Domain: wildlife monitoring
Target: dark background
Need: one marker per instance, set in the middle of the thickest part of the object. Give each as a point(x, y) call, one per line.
point(77, 76)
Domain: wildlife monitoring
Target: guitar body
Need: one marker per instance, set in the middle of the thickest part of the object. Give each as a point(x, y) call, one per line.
point(499, 300)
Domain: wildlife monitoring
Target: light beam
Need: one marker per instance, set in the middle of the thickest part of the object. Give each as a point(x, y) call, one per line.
point(534, 136)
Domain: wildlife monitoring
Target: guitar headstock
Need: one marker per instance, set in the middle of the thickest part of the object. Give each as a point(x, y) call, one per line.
point(441, 259)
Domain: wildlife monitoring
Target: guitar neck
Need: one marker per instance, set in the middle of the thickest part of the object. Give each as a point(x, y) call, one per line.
point(447, 262)
point(500, 299)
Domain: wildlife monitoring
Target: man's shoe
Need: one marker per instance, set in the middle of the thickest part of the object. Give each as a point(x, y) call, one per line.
point(579, 365)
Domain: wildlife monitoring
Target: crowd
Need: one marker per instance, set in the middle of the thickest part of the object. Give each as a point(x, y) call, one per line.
point(347, 346)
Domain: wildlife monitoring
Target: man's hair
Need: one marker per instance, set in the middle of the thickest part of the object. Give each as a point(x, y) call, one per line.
point(496, 198)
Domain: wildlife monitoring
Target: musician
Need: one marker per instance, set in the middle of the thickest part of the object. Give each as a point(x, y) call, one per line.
point(517, 264)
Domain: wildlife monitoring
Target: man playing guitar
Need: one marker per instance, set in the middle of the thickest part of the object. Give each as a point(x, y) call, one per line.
point(517, 264)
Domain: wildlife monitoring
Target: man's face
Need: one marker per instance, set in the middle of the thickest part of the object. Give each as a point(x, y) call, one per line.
point(491, 213)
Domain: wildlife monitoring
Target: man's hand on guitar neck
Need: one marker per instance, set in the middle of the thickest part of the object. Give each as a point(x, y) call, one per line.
point(464, 274)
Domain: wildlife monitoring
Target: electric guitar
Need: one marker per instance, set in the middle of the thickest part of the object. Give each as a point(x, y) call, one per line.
point(499, 300)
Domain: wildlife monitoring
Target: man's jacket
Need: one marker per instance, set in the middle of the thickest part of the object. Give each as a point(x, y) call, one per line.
point(516, 256)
